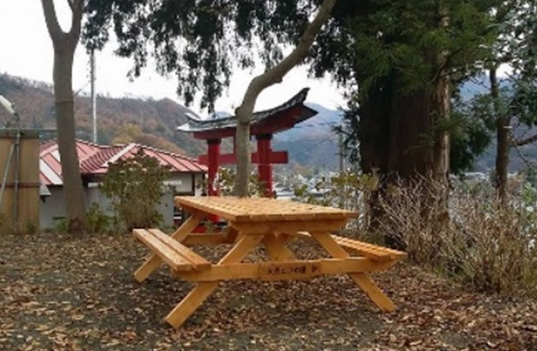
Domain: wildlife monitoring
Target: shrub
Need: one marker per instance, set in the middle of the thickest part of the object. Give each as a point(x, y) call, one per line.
point(30, 228)
point(5, 227)
point(489, 246)
point(481, 243)
point(226, 179)
point(98, 221)
point(60, 225)
point(135, 187)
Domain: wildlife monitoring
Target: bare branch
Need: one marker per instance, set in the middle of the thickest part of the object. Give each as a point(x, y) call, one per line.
point(276, 73)
point(258, 84)
point(77, 7)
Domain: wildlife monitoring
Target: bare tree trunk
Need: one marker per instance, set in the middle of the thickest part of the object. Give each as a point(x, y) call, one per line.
point(502, 139)
point(64, 49)
point(272, 76)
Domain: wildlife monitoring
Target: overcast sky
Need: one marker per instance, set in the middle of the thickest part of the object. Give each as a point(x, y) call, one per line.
point(26, 51)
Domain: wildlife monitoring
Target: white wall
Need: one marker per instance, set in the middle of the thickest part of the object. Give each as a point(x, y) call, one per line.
point(53, 206)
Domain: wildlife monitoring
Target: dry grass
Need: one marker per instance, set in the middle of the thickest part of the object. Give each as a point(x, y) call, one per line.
point(486, 245)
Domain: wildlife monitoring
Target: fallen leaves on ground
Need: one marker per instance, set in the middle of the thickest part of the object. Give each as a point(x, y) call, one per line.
point(77, 293)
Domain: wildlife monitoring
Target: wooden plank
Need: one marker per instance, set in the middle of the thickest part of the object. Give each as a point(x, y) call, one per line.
point(190, 303)
point(167, 254)
point(150, 264)
point(369, 250)
point(290, 270)
point(361, 279)
point(198, 262)
point(392, 252)
point(251, 270)
point(207, 239)
point(261, 209)
point(365, 249)
point(275, 246)
point(188, 226)
point(288, 226)
point(154, 261)
point(204, 289)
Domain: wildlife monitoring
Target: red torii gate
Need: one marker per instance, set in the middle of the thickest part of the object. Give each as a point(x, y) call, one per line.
point(264, 125)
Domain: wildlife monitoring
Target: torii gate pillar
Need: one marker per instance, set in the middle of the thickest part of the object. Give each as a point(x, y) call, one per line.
point(214, 160)
point(264, 150)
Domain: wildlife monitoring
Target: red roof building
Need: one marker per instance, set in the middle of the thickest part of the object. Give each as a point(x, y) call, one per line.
point(94, 160)
point(186, 177)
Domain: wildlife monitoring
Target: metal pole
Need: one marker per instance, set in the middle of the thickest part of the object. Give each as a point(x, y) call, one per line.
point(93, 95)
point(16, 169)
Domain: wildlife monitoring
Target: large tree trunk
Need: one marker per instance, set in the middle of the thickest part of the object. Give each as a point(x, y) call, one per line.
point(502, 140)
point(403, 137)
point(72, 182)
point(374, 136)
point(64, 50)
point(258, 84)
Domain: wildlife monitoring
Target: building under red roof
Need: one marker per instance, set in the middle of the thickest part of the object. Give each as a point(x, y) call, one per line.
point(94, 160)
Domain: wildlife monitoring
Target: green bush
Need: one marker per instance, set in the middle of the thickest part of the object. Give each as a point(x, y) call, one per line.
point(60, 225)
point(135, 187)
point(98, 221)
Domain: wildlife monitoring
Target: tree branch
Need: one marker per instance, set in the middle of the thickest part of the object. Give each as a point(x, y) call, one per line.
point(77, 7)
point(53, 26)
point(276, 73)
point(525, 141)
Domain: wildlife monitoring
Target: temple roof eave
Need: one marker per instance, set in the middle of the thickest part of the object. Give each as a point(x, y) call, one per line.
point(195, 125)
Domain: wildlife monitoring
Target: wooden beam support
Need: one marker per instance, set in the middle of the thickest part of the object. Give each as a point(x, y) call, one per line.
point(204, 289)
point(361, 279)
point(254, 270)
point(276, 248)
point(288, 226)
point(207, 239)
point(275, 157)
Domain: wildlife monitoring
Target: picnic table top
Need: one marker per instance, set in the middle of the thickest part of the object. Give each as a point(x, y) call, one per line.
point(260, 209)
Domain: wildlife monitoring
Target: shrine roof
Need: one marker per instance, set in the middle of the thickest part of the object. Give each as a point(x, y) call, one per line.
point(294, 111)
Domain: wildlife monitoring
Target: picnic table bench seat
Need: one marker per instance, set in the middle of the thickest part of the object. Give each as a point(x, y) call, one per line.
point(374, 252)
point(176, 255)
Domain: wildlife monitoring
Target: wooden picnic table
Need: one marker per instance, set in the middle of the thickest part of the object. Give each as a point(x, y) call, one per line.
point(273, 224)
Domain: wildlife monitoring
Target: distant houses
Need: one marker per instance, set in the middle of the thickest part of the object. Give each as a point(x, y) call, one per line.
point(186, 176)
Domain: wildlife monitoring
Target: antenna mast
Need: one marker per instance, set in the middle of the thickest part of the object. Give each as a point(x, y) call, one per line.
point(93, 95)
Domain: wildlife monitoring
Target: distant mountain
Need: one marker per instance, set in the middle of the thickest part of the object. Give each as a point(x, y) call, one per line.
point(156, 119)
point(313, 143)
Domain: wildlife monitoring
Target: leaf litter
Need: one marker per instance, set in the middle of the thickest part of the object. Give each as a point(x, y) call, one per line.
point(76, 293)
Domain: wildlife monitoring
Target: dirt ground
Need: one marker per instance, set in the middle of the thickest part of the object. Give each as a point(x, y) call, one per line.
point(77, 293)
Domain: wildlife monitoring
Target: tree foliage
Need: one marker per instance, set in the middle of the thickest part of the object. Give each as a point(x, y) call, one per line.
point(135, 188)
point(208, 38)
point(198, 41)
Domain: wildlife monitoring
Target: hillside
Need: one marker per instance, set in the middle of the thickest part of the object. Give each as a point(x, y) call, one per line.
point(154, 121)
point(313, 143)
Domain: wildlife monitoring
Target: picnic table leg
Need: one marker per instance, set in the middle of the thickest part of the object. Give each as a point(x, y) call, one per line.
point(204, 289)
point(364, 282)
point(153, 262)
point(275, 246)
